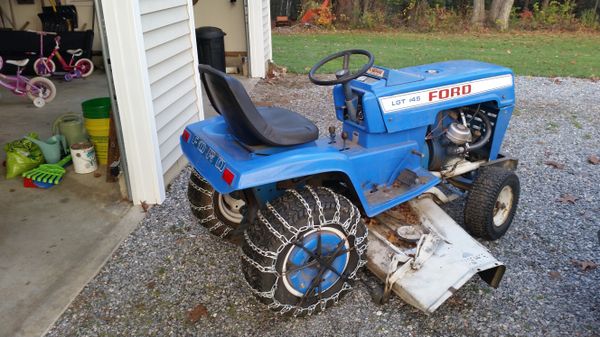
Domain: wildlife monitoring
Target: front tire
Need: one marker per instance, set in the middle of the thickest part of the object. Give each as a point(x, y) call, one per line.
point(220, 214)
point(85, 66)
point(303, 251)
point(492, 202)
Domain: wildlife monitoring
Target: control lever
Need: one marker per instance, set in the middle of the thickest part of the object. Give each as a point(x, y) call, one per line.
point(344, 138)
point(350, 99)
point(331, 134)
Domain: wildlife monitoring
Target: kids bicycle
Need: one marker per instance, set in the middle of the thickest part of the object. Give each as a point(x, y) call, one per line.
point(40, 90)
point(45, 66)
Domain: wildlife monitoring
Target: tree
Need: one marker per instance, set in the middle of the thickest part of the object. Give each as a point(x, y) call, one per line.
point(499, 13)
point(343, 8)
point(478, 18)
point(494, 11)
point(503, 16)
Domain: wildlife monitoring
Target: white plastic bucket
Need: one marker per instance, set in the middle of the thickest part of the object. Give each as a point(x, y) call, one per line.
point(84, 158)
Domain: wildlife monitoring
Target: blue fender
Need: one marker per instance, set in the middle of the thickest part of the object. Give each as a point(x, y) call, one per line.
point(229, 166)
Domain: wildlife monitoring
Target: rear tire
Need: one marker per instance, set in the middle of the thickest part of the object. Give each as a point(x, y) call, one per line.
point(48, 89)
point(44, 67)
point(209, 207)
point(492, 203)
point(294, 238)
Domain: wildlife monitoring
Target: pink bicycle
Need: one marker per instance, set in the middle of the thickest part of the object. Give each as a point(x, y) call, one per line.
point(39, 89)
point(45, 66)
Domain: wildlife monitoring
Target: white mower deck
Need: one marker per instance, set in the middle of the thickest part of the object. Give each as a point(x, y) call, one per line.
point(424, 256)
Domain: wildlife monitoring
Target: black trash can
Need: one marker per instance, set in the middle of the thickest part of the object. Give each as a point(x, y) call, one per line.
point(211, 47)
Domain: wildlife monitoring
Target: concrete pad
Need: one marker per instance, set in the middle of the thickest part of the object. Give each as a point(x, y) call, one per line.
point(52, 242)
point(20, 116)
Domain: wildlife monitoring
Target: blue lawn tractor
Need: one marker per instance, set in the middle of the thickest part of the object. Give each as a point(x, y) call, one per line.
point(309, 212)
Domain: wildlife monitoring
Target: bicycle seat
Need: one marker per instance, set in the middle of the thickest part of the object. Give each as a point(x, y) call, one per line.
point(18, 63)
point(75, 52)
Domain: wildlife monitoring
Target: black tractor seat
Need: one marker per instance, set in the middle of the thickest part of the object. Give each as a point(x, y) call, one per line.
point(254, 126)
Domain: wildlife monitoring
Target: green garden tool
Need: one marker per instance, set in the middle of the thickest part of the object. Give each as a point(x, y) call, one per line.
point(48, 173)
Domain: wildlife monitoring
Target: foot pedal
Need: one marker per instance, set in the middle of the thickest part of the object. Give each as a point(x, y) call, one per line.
point(407, 177)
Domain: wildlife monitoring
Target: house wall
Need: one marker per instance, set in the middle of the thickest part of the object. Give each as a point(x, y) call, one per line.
point(266, 9)
point(157, 87)
point(169, 46)
point(24, 13)
point(229, 16)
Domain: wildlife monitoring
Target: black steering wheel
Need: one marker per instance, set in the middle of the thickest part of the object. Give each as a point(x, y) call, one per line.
point(342, 75)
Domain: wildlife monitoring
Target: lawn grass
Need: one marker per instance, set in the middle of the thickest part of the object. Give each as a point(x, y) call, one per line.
point(535, 54)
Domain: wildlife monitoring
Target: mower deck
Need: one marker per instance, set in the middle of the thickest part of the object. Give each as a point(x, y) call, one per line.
point(430, 259)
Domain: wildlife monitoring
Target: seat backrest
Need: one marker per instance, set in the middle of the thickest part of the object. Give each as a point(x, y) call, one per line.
point(229, 98)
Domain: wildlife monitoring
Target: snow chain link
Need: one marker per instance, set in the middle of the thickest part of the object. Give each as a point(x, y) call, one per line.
point(359, 245)
point(200, 189)
point(211, 217)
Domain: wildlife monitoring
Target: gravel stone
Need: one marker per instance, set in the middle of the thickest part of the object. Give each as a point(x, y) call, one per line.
point(170, 264)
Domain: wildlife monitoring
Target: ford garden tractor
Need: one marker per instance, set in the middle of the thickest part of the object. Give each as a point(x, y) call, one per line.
point(309, 212)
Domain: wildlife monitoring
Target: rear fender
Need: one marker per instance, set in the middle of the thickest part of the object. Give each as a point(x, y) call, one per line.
point(229, 166)
point(216, 156)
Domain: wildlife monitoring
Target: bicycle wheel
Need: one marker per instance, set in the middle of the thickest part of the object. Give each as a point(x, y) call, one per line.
point(41, 87)
point(85, 66)
point(44, 66)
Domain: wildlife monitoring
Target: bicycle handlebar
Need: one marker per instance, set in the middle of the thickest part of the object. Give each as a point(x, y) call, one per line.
point(41, 32)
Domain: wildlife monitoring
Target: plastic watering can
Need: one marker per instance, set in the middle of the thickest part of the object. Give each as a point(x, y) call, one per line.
point(52, 148)
point(70, 125)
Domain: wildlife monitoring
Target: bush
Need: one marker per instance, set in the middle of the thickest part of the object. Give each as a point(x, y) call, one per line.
point(589, 19)
point(372, 19)
point(555, 16)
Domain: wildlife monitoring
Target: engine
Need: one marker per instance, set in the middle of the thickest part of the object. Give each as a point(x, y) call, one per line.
point(458, 134)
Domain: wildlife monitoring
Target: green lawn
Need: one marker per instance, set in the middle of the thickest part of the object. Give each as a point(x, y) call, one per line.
point(536, 54)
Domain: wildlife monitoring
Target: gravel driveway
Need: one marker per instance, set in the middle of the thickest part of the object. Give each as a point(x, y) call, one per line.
point(170, 265)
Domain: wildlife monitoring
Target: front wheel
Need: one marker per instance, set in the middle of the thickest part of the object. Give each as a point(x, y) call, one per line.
point(492, 202)
point(41, 87)
point(85, 66)
point(44, 66)
point(303, 251)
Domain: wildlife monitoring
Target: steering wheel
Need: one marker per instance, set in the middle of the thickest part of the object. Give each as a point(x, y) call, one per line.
point(342, 75)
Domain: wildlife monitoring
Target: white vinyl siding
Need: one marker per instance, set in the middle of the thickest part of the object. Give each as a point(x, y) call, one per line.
point(169, 47)
point(266, 14)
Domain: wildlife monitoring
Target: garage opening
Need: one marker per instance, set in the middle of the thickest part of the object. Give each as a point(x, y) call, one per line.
point(63, 193)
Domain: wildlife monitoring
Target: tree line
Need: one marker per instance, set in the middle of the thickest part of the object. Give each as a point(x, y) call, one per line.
point(448, 14)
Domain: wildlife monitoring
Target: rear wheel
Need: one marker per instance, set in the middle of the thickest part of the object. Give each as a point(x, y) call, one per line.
point(303, 252)
point(44, 66)
point(492, 203)
point(219, 213)
point(40, 87)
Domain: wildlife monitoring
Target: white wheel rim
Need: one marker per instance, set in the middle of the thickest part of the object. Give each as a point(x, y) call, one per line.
point(503, 206)
point(230, 208)
point(39, 102)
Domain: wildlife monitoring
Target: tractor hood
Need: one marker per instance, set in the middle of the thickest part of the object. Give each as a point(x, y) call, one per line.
point(409, 98)
point(442, 73)
point(434, 74)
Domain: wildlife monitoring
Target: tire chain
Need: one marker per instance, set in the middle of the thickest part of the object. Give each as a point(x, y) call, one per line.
point(211, 217)
point(359, 245)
